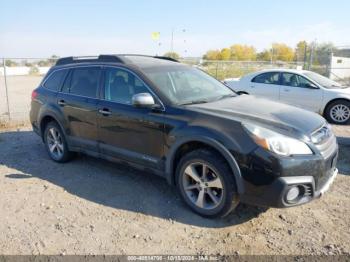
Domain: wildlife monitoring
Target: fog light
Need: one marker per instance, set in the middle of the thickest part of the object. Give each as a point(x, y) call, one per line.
point(292, 194)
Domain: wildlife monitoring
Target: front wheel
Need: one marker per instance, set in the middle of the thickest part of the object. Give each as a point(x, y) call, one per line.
point(206, 183)
point(338, 112)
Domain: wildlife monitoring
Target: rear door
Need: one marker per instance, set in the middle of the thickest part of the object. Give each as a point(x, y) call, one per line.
point(299, 91)
point(265, 85)
point(78, 103)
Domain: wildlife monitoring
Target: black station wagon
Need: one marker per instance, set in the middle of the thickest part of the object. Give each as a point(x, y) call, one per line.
point(159, 115)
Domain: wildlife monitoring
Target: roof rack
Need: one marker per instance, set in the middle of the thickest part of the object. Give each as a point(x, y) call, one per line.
point(83, 59)
point(149, 56)
point(105, 58)
point(167, 58)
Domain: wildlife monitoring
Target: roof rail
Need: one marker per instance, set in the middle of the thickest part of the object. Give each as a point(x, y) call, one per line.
point(167, 58)
point(149, 56)
point(83, 59)
point(105, 58)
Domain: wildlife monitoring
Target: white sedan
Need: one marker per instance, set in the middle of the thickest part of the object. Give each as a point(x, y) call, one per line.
point(300, 88)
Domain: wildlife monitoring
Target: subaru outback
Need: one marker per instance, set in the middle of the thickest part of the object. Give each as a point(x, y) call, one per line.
point(161, 116)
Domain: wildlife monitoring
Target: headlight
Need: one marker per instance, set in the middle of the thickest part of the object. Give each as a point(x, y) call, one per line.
point(277, 143)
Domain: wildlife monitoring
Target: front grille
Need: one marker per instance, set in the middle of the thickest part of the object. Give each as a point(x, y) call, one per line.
point(329, 170)
point(325, 141)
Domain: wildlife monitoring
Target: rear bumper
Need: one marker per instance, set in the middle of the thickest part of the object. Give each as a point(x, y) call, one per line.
point(275, 194)
point(36, 129)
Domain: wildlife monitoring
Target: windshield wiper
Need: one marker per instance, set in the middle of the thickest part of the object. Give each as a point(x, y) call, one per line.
point(202, 101)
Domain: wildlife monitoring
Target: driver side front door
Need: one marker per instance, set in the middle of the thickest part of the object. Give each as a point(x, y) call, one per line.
point(124, 131)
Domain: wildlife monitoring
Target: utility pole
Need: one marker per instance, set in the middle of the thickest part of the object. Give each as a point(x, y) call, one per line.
point(172, 40)
point(305, 55)
point(271, 55)
point(311, 55)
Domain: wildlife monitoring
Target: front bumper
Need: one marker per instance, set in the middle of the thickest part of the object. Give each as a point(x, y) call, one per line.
point(275, 194)
point(268, 179)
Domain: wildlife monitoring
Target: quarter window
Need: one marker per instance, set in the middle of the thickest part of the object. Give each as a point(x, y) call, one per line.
point(267, 78)
point(55, 80)
point(121, 85)
point(84, 82)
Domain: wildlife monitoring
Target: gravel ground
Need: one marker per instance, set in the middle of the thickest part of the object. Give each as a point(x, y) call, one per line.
point(91, 206)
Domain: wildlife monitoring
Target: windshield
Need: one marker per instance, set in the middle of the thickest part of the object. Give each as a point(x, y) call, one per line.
point(186, 85)
point(323, 81)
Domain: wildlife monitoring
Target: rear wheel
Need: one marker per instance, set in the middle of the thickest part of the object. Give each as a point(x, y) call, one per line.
point(56, 144)
point(206, 183)
point(338, 112)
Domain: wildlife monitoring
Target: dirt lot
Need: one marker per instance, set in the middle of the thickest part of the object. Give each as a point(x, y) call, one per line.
point(91, 206)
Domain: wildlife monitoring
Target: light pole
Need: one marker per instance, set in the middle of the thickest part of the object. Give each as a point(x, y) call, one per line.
point(172, 39)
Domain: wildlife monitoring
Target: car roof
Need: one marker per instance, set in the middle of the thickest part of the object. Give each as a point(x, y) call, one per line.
point(288, 70)
point(135, 60)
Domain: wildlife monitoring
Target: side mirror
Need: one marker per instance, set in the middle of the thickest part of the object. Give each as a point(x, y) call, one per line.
point(143, 100)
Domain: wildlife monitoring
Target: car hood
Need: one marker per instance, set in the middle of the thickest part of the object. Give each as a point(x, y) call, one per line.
point(275, 115)
point(345, 90)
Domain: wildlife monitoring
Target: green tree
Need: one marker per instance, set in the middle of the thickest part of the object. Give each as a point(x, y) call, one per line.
point(52, 60)
point(264, 55)
point(173, 55)
point(243, 52)
point(225, 54)
point(10, 63)
point(212, 55)
point(301, 51)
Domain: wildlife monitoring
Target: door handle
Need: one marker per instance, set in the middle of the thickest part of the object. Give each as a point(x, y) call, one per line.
point(104, 112)
point(252, 86)
point(286, 90)
point(61, 102)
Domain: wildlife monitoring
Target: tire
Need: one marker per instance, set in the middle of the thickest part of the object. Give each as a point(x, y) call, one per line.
point(200, 195)
point(342, 107)
point(53, 135)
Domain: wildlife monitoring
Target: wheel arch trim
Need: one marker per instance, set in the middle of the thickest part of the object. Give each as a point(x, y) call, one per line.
point(333, 100)
point(169, 164)
point(55, 118)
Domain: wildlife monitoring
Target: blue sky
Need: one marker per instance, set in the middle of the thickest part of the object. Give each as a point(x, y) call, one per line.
point(86, 27)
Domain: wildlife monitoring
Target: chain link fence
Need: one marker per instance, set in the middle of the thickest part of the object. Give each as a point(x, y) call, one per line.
point(19, 76)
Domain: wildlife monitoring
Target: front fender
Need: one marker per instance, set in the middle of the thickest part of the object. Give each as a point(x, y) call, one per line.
point(169, 165)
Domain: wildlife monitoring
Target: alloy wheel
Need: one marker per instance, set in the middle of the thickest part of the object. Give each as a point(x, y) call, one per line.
point(340, 113)
point(55, 143)
point(202, 185)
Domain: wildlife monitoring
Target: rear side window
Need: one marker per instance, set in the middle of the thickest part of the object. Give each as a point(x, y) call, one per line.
point(55, 80)
point(267, 78)
point(83, 81)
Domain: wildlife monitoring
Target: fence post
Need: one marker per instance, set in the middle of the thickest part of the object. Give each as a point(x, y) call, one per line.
point(216, 71)
point(6, 91)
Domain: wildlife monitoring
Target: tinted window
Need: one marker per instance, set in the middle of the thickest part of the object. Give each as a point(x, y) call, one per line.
point(290, 79)
point(85, 81)
point(267, 78)
point(55, 80)
point(121, 85)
